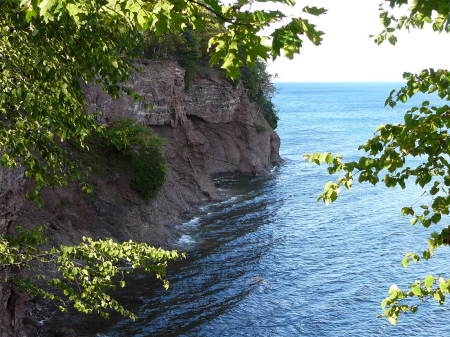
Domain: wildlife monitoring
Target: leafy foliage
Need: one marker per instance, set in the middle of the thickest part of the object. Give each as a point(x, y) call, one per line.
point(83, 275)
point(149, 170)
point(260, 89)
point(191, 42)
point(162, 46)
point(142, 147)
point(126, 136)
point(420, 14)
point(259, 128)
point(190, 56)
point(423, 134)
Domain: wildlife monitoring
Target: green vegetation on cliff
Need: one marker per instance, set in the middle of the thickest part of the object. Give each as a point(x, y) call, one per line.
point(81, 276)
point(141, 146)
point(260, 89)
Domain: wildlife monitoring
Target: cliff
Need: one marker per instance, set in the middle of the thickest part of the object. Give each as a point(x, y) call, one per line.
point(213, 129)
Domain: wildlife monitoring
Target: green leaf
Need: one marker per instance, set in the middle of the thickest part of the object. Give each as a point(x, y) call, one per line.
point(392, 40)
point(323, 157)
point(429, 281)
point(407, 210)
point(416, 290)
point(45, 9)
point(314, 10)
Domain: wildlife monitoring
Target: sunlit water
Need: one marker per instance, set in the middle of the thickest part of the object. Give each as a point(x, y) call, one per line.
point(271, 261)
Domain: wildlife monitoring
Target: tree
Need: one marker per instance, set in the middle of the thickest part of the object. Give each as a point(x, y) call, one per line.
point(48, 50)
point(424, 133)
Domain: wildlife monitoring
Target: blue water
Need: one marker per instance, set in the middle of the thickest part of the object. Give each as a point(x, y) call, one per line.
point(271, 261)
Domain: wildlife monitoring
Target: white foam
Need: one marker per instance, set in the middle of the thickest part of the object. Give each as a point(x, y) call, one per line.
point(186, 239)
point(192, 222)
point(227, 201)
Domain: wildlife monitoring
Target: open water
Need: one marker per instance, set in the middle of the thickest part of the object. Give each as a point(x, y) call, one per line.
point(271, 261)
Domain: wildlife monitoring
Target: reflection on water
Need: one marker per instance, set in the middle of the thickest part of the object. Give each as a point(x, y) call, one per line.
point(270, 261)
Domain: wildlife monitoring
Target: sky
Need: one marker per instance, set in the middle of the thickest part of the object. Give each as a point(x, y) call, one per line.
point(348, 54)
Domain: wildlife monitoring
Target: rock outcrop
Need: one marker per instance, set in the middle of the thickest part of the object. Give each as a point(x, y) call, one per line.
point(213, 129)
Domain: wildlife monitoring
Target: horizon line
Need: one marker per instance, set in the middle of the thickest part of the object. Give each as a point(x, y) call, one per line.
point(356, 81)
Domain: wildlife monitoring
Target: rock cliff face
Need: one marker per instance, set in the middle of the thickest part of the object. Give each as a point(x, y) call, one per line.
point(211, 130)
point(12, 303)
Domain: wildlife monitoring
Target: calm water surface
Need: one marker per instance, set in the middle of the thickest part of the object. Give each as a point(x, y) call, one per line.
point(271, 261)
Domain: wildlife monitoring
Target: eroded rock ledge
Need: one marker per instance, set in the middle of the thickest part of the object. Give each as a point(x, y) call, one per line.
point(213, 129)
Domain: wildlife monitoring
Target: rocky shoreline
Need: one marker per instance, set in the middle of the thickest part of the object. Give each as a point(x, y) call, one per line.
point(211, 130)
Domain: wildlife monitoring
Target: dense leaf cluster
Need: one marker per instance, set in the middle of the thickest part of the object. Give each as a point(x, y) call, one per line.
point(421, 13)
point(260, 89)
point(83, 275)
point(139, 144)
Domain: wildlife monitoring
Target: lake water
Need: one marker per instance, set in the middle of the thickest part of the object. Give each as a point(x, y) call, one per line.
point(271, 261)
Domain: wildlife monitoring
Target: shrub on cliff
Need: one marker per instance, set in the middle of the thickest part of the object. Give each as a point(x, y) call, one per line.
point(142, 146)
point(260, 89)
point(149, 171)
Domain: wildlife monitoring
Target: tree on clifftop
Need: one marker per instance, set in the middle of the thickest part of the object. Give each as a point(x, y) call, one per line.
point(424, 133)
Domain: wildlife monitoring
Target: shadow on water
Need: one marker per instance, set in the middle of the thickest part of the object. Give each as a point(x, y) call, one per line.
point(224, 244)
